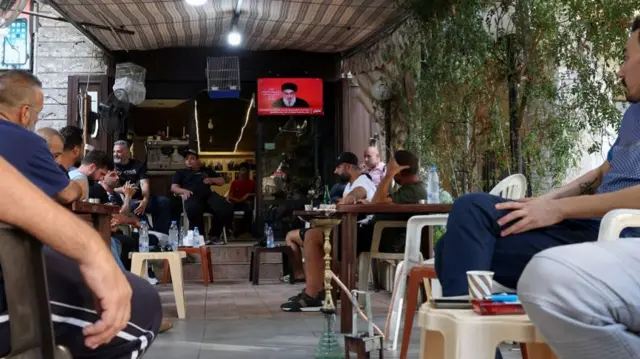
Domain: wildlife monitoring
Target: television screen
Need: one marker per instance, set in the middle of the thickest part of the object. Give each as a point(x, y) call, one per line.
point(290, 97)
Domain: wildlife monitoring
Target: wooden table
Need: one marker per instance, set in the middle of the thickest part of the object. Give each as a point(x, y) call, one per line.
point(98, 215)
point(348, 260)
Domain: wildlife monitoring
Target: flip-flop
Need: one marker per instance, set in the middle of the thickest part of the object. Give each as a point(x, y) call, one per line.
point(166, 325)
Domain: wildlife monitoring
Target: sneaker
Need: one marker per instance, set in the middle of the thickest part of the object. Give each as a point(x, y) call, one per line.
point(152, 281)
point(216, 241)
point(297, 297)
point(304, 303)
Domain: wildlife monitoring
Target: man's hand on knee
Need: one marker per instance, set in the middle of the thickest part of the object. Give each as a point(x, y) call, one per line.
point(112, 294)
point(528, 215)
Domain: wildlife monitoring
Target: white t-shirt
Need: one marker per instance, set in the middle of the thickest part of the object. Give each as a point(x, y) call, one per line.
point(76, 175)
point(364, 182)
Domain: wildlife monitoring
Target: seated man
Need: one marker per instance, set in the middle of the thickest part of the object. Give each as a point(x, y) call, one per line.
point(21, 100)
point(194, 185)
point(92, 168)
point(81, 256)
point(91, 298)
point(360, 187)
point(585, 298)
point(55, 141)
point(373, 166)
point(135, 172)
point(241, 195)
point(73, 150)
point(105, 191)
point(485, 232)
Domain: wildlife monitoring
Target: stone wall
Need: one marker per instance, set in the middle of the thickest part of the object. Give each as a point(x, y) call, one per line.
point(59, 51)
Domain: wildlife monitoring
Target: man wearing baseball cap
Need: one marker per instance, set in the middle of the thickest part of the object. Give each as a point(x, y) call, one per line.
point(193, 184)
point(359, 188)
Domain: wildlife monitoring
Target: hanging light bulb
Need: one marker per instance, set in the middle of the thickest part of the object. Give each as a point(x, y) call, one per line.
point(234, 38)
point(210, 125)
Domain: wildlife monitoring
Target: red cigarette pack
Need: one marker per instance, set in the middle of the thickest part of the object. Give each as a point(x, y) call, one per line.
point(488, 307)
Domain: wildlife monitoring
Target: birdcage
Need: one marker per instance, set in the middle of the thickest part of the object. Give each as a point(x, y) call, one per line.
point(223, 77)
point(130, 78)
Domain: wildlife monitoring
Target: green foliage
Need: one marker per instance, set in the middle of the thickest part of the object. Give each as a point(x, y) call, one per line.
point(567, 54)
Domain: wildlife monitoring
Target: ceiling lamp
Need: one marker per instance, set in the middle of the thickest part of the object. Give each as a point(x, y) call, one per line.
point(234, 38)
point(196, 2)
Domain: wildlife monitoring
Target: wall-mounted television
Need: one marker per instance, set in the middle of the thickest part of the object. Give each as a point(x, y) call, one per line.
point(290, 97)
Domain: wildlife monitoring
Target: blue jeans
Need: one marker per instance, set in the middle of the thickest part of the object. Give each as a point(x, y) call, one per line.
point(159, 208)
point(116, 249)
point(473, 242)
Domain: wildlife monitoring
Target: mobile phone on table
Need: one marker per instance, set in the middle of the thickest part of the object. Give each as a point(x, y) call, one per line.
point(452, 303)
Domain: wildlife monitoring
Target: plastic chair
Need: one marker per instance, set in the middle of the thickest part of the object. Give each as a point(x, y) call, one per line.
point(412, 257)
point(24, 274)
point(174, 259)
point(513, 187)
point(365, 259)
point(462, 334)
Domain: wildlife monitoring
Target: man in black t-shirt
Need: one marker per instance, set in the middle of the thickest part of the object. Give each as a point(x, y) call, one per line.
point(194, 185)
point(135, 172)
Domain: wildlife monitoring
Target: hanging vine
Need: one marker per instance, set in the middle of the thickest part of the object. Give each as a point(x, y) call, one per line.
point(458, 116)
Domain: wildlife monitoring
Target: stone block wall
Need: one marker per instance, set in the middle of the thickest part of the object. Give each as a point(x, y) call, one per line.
point(60, 51)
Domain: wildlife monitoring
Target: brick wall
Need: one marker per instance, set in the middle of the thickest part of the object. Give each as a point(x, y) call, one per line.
point(59, 51)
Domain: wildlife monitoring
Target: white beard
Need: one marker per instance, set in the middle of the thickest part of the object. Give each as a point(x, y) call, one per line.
point(289, 103)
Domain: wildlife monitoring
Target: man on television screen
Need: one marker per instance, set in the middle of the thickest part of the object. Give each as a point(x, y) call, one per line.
point(289, 98)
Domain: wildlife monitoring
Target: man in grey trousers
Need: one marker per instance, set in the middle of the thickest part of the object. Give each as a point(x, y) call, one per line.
point(585, 298)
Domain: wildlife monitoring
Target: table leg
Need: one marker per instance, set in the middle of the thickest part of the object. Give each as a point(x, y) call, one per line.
point(210, 258)
point(102, 224)
point(348, 267)
point(204, 260)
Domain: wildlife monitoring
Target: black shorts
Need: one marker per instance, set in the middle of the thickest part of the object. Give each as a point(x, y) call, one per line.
point(72, 306)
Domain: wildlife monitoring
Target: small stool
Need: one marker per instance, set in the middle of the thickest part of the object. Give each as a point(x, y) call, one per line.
point(174, 259)
point(254, 266)
point(205, 258)
point(453, 334)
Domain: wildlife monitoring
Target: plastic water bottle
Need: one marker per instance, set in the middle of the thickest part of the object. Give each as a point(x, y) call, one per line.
point(174, 236)
point(144, 237)
point(270, 239)
point(433, 187)
point(196, 237)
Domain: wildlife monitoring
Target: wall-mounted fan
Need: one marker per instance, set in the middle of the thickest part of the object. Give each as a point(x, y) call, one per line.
point(10, 10)
point(113, 113)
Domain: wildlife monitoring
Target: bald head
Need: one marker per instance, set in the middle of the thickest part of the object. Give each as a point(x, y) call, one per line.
point(21, 97)
point(371, 157)
point(54, 140)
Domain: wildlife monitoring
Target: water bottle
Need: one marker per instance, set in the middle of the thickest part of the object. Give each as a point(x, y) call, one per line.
point(144, 237)
point(174, 236)
point(196, 237)
point(433, 187)
point(270, 240)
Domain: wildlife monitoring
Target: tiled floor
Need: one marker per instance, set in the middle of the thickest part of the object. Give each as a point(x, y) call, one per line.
point(240, 321)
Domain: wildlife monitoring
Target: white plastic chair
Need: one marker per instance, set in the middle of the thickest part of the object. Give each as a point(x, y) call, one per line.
point(615, 221)
point(513, 187)
point(365, 259)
